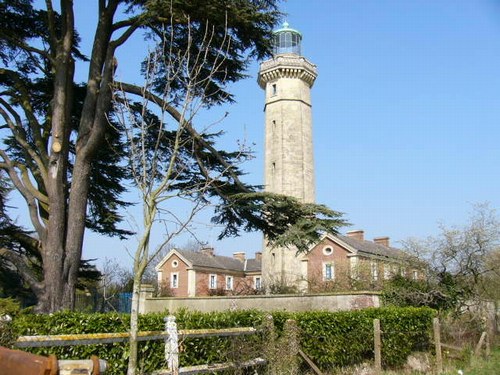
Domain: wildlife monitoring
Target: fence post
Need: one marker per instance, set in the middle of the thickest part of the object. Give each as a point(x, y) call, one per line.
point(477, 351)
point(291, 340)
point(377, 344)
point(172, 345)
point(270, 349)
point(437, 343)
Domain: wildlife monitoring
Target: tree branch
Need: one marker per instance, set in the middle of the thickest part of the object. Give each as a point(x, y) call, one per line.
point(141, 91)
point(30, 199)
point(18, 133)
point(22, 267)
point(52, 26)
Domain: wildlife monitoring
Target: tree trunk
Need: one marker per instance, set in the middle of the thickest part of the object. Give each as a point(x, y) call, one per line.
point(77, 209)
point(53, 242)
point(134, 326)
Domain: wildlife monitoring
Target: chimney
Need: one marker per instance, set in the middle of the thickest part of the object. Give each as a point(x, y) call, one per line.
point(240, 255)
point(208, 251)
point(258, 256)
point(384, 241)
point(356, 234)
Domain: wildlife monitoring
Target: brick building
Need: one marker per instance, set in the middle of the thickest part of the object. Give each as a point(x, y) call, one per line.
point(190, 274)
point(337, 262)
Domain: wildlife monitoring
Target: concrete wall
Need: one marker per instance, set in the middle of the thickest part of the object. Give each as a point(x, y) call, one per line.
point(326, 302)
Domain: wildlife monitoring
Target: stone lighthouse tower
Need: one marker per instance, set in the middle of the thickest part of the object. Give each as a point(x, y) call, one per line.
point(287, 79)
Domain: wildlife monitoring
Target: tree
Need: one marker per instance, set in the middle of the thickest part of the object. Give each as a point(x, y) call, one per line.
point(25, 249)
point(63, 153)
point(178, 160)
point(460, 264)
point(57, 135)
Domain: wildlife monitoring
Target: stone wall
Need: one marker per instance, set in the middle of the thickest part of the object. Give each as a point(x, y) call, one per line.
point(326, 302)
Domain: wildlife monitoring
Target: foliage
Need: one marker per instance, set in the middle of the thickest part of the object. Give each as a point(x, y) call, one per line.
point(340, 339)
point(282, 287)
point(330, 339)
point(461, 265)
point(9, 308)
point(478, 366)
point(401, 291)
point(65, 152)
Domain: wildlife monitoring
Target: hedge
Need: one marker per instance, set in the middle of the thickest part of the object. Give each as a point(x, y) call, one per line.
point(331, 339)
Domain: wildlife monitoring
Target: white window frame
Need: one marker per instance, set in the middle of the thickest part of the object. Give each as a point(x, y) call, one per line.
point(213, 277)
point(387, 272)
point(328, 250)
point(326, 266)
point(257, 282)
point(374, 270)
point(229, 282)
point(174, 280)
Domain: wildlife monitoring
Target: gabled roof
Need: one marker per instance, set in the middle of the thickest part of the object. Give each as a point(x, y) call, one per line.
point(372, 248)
point(253, 265)
point(198, 259)
point(367, 248)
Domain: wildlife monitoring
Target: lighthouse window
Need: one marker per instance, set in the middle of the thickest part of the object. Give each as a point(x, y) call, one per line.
point(274, 89)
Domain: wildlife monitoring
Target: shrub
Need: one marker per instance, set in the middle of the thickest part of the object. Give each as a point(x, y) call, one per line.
point(346, 338)
point(9, 308)
point(441, 294)
point(330, 339)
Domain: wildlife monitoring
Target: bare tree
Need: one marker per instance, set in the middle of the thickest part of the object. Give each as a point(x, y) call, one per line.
point(171, 159)
point(162, 153)
point(459, 262)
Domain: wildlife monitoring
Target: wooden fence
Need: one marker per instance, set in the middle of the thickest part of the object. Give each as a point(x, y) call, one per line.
point(173, 336)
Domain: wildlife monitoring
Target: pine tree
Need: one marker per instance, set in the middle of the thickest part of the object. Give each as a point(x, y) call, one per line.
point(65, 155)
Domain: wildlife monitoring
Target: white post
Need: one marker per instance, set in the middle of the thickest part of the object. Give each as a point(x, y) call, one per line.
point(172, 345)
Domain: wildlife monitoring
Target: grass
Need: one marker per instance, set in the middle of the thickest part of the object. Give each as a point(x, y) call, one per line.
point(469, 366)
point(479, 366)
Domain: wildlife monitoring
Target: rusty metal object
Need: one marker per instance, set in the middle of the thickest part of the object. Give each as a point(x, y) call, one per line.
point(22, 363)
point(17, 362)
point(93, 366)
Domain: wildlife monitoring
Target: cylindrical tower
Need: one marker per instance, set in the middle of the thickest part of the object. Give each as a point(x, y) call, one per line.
point(287, 79)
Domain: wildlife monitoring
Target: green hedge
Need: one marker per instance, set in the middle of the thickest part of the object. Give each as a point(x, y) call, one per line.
point(346, 338)
point(330, 339)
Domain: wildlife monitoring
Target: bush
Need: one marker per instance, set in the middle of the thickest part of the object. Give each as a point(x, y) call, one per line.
point(330, 339)
point(346, 338)
point(442, 294)
point(9, 308)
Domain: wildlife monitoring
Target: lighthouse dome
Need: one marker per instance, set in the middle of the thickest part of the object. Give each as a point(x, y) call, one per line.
point(286, 40)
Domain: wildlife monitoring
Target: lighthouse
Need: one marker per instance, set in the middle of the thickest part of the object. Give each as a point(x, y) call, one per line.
point(287, 79)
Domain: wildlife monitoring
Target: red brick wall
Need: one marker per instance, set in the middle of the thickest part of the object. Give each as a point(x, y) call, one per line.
point(181, 269)
point(241, 284)
point(316, 258)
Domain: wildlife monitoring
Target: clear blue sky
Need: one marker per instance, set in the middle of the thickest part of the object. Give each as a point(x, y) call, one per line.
point(406, 114)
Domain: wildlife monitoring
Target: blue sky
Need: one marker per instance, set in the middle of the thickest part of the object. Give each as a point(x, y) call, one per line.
point(406, 112)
